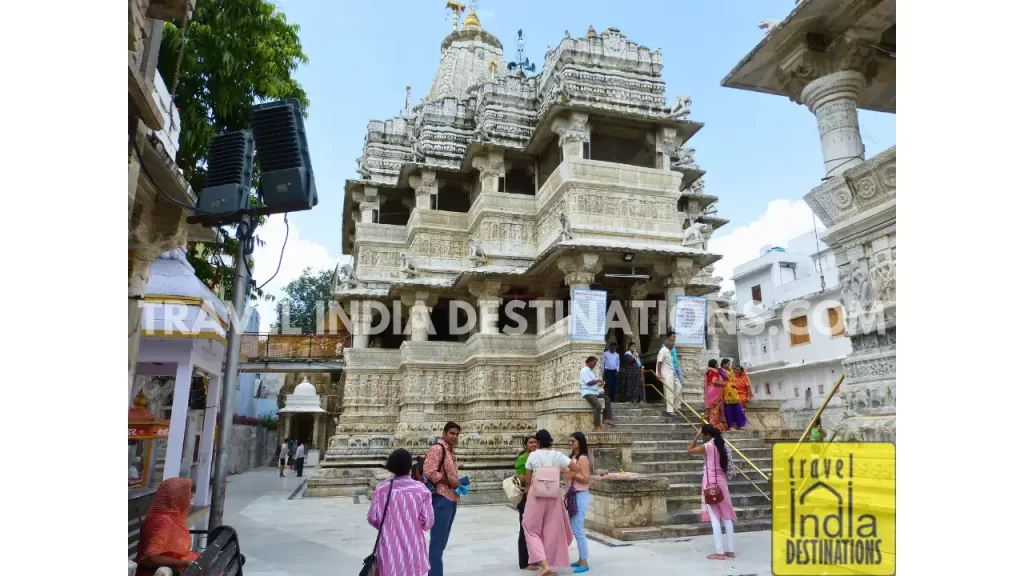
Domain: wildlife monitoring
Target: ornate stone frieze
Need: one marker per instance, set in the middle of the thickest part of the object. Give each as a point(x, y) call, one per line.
point(860, 188)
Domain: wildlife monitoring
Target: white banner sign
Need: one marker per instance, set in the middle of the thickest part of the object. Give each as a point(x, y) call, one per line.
point(589, 315)
point(691, 320)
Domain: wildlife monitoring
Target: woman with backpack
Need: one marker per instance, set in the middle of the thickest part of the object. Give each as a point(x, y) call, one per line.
point(546, 522)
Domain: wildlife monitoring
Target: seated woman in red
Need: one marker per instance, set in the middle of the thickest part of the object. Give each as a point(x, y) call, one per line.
point(165, 539)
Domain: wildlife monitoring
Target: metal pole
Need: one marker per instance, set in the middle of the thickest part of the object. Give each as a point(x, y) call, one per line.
point(227, 398)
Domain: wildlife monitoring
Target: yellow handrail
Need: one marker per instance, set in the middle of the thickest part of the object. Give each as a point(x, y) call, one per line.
point(679, 411)
point(821, 409)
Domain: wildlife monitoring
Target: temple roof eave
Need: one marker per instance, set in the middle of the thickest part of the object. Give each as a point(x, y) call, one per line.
point(685, 129)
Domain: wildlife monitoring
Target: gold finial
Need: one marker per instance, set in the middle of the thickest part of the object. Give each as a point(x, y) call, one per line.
point(457, 8)
point(408, 91)
point(493, 65)
point(471, 20)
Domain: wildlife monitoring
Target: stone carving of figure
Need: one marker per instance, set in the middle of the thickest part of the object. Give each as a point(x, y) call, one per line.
point(408, 265)
point(693, 235)
point(698, 188)
point(768, 25)
point(728, 294)
point(681, 107)
point(477, 255)
point(481, 132)
point(559, 91)
point(566, 227)
point(344, 276)
point(884, 274)
point(684, 158)
point(417, 150)
point(360, 169)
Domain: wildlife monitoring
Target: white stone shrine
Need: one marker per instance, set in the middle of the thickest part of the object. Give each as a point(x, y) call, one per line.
point(502, 187)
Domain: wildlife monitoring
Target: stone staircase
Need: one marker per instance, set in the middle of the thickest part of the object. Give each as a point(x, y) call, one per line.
point(658, 445)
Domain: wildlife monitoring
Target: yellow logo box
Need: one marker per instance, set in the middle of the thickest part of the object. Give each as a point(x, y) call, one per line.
point(834, 508)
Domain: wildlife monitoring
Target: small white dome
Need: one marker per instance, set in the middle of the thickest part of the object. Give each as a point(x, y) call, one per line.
point(303, 399)
point(305, 388)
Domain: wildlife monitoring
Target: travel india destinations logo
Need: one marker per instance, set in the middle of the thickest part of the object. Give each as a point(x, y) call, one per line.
point(833, 508)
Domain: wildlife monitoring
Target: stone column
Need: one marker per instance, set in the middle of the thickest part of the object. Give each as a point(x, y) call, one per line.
point(424, 184)
point(833, 100)
point(572, 132)
point(368, 202)
point(287, 426)
point(491, 168)
point(677, 274)
point(315, 442)
point(665, 146)
point(488, 295)
point(420, 304)
point(637, 293)
point(580, 270)
point(360, 318)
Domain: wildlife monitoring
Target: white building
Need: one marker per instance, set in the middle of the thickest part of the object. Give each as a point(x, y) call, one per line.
point(791, 332)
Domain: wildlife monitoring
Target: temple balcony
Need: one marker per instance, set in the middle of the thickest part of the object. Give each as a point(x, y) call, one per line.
point(293, 352)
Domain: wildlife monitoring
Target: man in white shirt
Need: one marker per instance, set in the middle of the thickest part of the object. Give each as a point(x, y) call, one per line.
point(667, 373)
point(590, 390)
point(300, 459)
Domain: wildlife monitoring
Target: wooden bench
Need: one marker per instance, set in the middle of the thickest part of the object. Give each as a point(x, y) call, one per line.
point(222, 556)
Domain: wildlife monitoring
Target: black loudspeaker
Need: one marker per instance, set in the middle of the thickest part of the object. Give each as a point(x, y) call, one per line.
point(286, 173)
point(228, 174)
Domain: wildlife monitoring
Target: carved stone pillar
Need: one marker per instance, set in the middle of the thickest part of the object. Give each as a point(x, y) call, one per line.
point(677, 274)
point(833, 99)
point(425, 185)
point(361, 317)
point(572, 132)
point(368, 202)
point(580, 270)
point(491, 168)
point(665, 146)
point(550, 296)
point(420, 304)
point(488, 295)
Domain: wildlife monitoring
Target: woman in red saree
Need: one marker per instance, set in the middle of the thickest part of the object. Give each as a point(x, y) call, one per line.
point(714, 397)
point(165, 539)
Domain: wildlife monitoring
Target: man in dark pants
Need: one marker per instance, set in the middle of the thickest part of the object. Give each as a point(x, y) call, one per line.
point(610, 362)
point(441, 469)
point(300, 459)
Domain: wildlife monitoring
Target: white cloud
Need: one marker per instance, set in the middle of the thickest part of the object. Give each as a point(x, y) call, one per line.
point(298, 254)
point(782, 221)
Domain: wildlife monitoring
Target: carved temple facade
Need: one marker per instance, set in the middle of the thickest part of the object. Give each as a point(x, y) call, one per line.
point(503, 187)
point(836, 56)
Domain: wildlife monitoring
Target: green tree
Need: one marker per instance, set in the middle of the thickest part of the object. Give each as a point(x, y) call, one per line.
point(236, 53)
point(301, 298)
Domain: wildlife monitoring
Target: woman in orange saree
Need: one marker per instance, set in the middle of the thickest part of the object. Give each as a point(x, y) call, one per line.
point(165, 539)
point(713, 396)
point(742, 382)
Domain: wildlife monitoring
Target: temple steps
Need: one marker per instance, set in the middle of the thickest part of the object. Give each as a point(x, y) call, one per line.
point(684, 530)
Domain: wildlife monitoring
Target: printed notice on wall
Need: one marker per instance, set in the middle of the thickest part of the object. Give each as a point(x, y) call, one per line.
point(691, 320)
point(589, 315)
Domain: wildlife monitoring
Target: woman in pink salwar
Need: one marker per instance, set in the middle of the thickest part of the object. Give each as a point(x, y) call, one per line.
point(403, 549)
point(545, 522)
point(717, 462)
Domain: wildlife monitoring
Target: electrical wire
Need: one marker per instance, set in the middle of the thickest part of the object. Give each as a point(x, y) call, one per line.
point(280, 259)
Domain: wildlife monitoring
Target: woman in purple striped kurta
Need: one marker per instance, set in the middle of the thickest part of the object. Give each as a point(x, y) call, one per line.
point(403, 549)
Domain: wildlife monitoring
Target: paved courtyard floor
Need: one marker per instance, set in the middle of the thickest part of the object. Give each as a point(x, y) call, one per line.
point(284, 534)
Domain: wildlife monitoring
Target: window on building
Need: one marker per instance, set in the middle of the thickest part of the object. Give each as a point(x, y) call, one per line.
point(768, 388)
point(788, 273)
point(798, 332)
point(821, 388)
point(796, 392)
point(755, 293)
point(836, 323)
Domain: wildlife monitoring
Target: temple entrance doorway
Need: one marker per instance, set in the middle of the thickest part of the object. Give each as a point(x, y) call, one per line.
point(302, 427)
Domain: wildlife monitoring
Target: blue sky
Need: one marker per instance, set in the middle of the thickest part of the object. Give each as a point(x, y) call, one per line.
point(761, 152)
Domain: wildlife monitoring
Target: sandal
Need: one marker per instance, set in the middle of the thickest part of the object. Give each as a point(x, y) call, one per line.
point(716, 556)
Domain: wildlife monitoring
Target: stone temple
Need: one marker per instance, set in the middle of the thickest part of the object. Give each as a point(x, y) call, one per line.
point(502, 186)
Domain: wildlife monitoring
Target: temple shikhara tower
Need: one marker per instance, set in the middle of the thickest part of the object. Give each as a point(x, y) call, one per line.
point(505, 184)
point(835, 57)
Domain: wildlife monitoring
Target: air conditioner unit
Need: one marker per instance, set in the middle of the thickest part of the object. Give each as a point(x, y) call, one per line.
point(286, 173)
point(228, 174)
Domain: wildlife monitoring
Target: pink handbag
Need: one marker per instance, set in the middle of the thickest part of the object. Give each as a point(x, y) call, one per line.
point(545, 482)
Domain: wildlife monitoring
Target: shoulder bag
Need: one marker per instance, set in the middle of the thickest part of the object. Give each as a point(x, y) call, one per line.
point(370, 562)
point(570, 497)
point(440, 465)
point(712, 494)
point(513, 490)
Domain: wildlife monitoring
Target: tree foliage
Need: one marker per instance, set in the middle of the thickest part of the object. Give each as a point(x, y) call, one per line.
point(301, 298)
point(237, 53)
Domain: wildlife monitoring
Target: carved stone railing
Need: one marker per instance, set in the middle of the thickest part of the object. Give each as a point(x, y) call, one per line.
point(368, 232)
point(859, 189)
